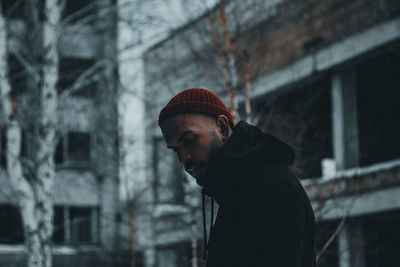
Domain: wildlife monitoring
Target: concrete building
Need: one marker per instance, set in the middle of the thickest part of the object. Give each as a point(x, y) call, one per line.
point(87, 170)
point(326, 81)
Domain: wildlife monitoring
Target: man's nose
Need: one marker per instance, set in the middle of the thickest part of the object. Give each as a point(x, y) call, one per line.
point(183, 157)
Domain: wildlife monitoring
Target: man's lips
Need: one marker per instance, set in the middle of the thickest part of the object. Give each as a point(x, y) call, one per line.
point(193, 170)
point(196, 172)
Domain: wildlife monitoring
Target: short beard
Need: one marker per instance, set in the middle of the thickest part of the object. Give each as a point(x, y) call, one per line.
point(216, 145)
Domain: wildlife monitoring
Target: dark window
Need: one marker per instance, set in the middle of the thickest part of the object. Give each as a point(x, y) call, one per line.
point(24, 144)
point(168, 174)
point(378, 83)
point(59, 227)
point(139, 259)
point(17, 76)
point(80, 221)
point(382, 235)
point(71, 70)
point(73, 149)
point(20, 9)
point(75, 225)
point(3, 144)
point(59, 155)
point(11, 230)
point(78, 147)
point(13, 8)
point(80, 11)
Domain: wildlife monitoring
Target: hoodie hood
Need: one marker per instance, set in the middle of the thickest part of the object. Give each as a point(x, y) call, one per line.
point(247, 148)
point(231, 167)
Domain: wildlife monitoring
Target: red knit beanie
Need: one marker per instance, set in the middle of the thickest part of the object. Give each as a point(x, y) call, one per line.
point(195, 100)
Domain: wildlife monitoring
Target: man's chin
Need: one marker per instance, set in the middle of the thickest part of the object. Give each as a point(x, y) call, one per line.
point(199, 176)
point(200, 181)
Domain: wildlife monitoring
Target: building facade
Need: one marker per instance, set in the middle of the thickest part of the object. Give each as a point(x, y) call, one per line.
point(325, 78)
point(87, 155)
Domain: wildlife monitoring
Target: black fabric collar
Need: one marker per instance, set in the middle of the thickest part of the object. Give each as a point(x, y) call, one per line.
point(245, 149)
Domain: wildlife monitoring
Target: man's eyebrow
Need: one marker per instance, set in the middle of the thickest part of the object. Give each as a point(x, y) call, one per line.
point(180, 138)
point(183, 135)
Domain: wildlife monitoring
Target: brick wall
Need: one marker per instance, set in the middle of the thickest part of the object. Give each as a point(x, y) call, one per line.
point(302, 27)
point(293, 30)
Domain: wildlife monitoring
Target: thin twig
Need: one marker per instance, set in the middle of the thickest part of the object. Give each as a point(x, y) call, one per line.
point(339, 227)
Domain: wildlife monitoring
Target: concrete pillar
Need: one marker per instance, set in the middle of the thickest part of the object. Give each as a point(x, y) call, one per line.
point(351, 246)
point(344, 248)
point(107, 149)
point(344, 118)
point(150, 257)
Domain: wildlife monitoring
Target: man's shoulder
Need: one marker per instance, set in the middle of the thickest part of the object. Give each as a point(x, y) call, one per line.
point(271, 172)
point(274, 180)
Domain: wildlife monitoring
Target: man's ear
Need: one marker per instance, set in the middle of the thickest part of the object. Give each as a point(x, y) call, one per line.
point(223, 127)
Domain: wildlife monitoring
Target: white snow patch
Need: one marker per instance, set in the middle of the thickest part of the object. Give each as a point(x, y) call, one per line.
point(64, 250)
point(168, 209)
point(5, 249)
point(354, 172)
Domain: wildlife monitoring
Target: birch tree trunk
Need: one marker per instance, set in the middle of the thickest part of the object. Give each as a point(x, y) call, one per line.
point(45, 173)
point(22, 189)
point(34, 196)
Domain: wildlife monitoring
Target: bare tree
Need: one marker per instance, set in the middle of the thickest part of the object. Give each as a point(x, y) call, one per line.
point(34, 191)
point(34, 113)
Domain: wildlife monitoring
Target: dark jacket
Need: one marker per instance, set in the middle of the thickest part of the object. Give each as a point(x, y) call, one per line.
point(264, 217)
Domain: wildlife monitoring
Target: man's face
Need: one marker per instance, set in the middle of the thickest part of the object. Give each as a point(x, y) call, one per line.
point(194, 138)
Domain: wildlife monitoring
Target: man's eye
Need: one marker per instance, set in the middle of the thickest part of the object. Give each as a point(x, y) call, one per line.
point(188, 142)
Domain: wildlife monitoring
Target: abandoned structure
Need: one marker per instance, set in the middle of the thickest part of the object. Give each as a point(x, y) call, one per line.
point(324, 77)
point(86, 186)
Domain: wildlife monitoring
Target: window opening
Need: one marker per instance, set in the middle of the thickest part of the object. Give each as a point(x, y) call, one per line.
point(11, 230)
point(70, 70)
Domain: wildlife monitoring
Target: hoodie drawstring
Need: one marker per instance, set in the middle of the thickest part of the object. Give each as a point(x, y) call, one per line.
point(204, 223)
point(204, 226)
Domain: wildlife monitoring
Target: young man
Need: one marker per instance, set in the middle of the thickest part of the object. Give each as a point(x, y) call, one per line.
point(264, 217)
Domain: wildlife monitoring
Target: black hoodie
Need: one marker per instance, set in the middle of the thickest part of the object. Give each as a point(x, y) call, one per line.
point(264, 217)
